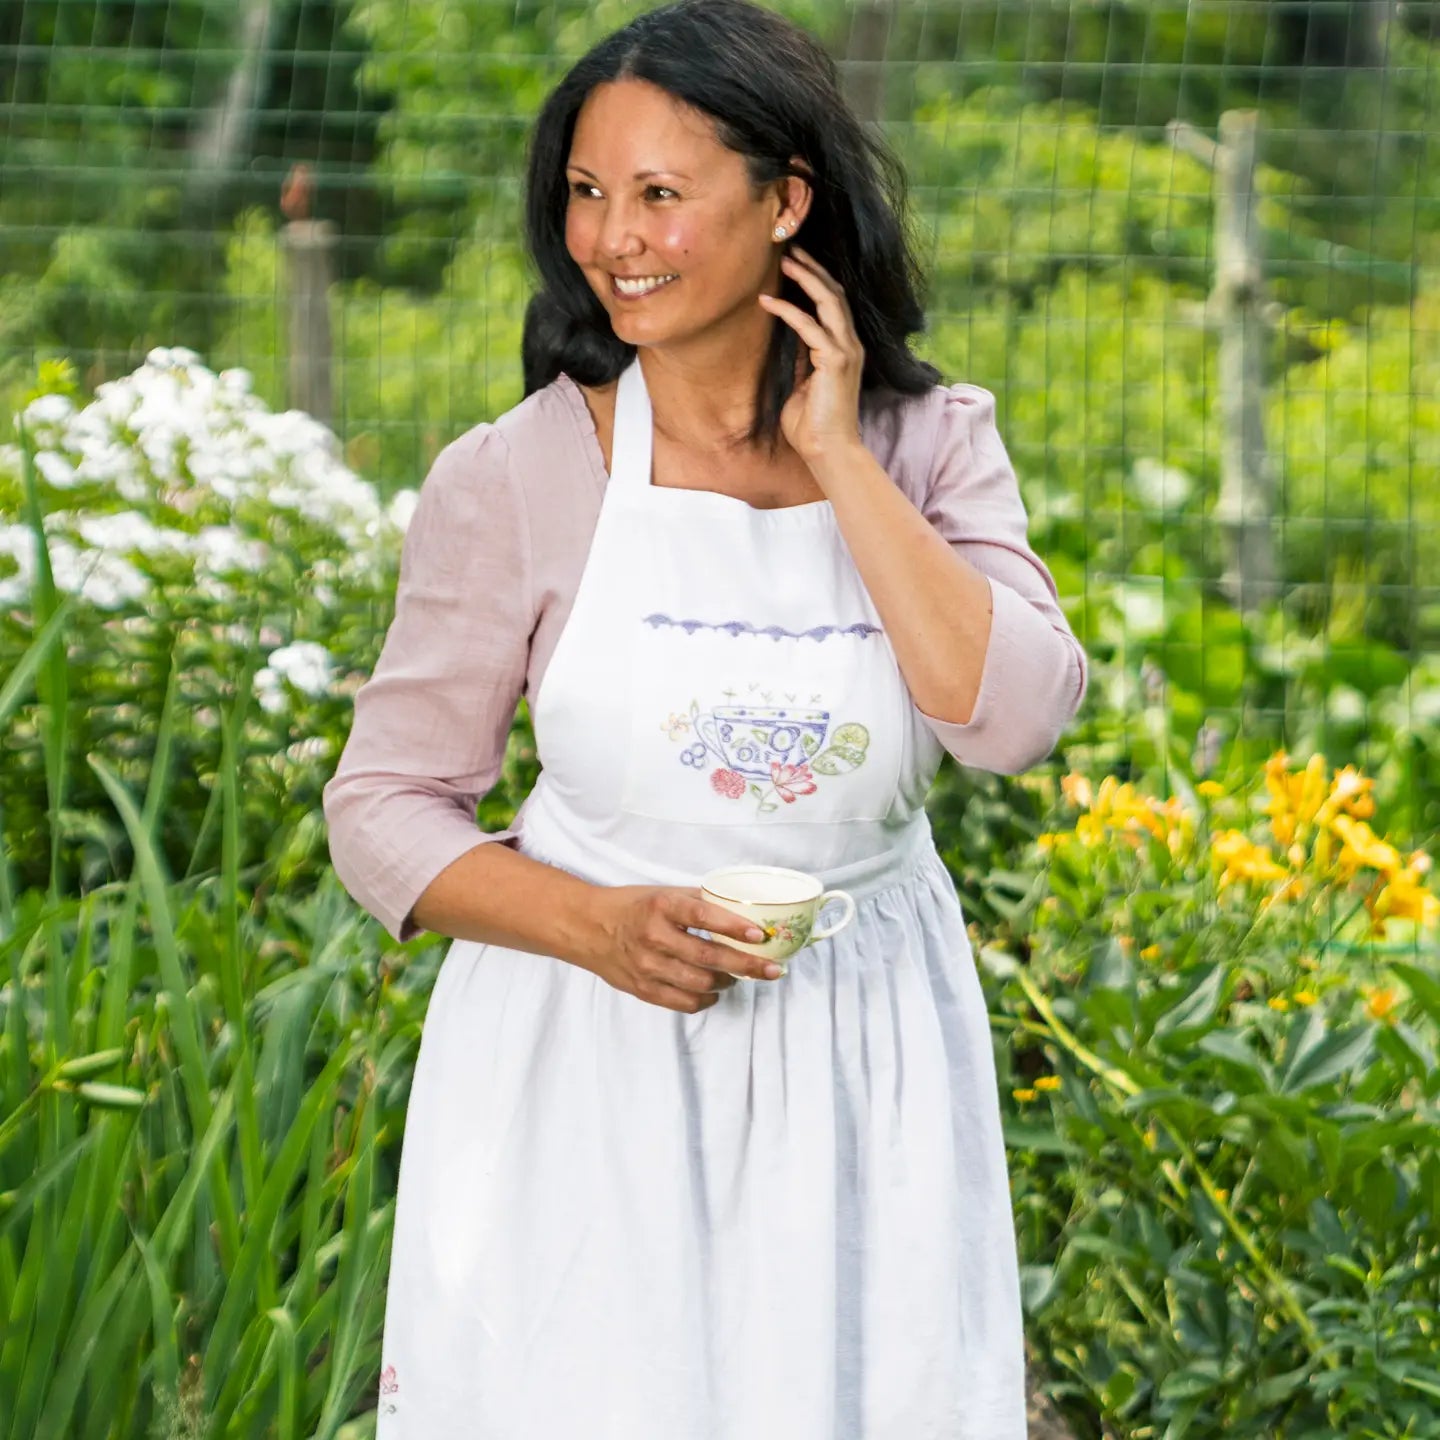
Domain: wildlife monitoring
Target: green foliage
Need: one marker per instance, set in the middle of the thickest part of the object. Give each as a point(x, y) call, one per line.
point(1221, 1099)
point(1021, 194)
point(201, 1102)
point(135, 134)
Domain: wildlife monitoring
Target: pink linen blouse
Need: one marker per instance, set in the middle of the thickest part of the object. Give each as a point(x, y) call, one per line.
point(488, 573)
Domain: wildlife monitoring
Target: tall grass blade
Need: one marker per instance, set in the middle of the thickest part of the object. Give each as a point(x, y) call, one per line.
point(184, 1024)
point(229, 1322)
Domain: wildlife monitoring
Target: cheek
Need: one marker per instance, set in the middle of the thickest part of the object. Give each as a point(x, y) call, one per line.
point(684, 239)
point(584, 229)
point(578, 239)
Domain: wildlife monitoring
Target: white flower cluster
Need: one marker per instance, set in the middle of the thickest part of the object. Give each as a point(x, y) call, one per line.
point(305, 664)
point(174, 461)
point(175, 437)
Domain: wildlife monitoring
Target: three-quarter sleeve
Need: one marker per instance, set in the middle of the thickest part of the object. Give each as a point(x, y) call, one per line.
point(1034, 674)
point(431, 724)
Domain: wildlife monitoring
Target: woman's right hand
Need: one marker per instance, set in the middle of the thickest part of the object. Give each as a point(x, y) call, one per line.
point(643, 946)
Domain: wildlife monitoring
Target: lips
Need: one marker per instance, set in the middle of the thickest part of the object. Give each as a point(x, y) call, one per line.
point(620, 294)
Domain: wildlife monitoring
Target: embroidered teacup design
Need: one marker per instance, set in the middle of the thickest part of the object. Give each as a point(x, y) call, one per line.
point(749, 739)
point(767, 751)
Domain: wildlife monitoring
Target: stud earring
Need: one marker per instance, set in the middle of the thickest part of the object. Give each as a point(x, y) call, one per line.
point(780, 232)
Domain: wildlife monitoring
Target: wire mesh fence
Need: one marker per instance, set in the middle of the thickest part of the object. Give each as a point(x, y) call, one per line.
point(1191, 247)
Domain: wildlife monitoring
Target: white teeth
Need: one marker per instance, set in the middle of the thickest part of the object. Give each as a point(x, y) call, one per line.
point(640, 287)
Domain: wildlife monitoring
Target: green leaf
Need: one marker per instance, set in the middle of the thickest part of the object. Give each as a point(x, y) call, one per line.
point(1037, 1139)
point(1423, 986)
point(1234, 1047)
point(1198, 1006)
point(230, 1320)
point(111, 1097)
point(82, 1067)
point(1318, 1058)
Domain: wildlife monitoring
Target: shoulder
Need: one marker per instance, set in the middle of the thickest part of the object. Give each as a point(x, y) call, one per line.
point(534, 446)
point(551, 436)
point(912, 435)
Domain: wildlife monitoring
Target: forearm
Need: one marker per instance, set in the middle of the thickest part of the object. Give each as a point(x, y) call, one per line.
point(935, 605)
point(496, 896)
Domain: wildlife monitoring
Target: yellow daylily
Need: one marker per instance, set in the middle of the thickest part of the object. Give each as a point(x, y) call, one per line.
point(1294, 800)
point(1243, 859)
point(1350, 792)
point(1403, 897)
point(1362, 847)
point(1380, 1002)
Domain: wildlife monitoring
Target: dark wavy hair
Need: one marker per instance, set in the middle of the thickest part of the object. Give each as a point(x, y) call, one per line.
point(771, 91)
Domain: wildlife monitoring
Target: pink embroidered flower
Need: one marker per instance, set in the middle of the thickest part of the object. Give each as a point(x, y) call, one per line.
point(791, 780)
point(388, 1383)
point(729, 783)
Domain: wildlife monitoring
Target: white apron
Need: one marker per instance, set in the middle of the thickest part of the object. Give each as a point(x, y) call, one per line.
point(786, 1217)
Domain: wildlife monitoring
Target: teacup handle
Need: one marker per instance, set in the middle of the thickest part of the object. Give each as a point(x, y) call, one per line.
point(820, 904)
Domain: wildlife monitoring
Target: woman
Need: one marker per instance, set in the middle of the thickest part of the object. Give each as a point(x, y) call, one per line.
point(638, 1200)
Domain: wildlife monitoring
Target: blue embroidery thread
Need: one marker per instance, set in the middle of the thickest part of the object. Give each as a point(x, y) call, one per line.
point(743, 627)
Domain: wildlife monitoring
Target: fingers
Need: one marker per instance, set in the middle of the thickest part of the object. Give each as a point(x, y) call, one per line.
point(719, 921)
point(829, 298)
point(811, 331)
point(685, 1001)
point(681, 971)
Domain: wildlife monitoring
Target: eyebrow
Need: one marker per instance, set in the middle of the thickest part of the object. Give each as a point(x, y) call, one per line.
point(638, 175)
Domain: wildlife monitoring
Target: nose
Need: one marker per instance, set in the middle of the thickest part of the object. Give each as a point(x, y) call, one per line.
point(617, 237)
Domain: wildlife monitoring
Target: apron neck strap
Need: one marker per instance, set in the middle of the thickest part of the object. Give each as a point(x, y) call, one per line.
point(630, 446)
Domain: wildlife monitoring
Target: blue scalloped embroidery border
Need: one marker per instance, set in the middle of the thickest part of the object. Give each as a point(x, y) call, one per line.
point(743, 627)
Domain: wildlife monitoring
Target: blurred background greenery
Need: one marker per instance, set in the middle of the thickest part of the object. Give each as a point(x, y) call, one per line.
point(1219, 1054)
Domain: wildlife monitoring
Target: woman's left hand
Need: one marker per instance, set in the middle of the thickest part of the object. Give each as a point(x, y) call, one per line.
point(822, 416)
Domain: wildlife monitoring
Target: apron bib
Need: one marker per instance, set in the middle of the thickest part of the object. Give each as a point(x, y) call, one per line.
point(723, 666)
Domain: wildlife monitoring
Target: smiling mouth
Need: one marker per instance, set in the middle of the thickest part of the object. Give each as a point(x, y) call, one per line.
point(641, 293)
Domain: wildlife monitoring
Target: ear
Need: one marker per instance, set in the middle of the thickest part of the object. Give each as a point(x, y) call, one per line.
point(795, 195)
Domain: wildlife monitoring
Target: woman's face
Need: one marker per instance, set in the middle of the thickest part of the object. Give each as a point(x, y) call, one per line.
point(653, 193)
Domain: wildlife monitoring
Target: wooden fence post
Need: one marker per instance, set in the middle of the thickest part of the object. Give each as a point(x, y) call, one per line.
point(309, 267)
point(863, 70)
point(1245, 507)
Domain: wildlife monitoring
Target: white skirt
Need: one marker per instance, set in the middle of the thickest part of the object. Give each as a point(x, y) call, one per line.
point(785, 1218)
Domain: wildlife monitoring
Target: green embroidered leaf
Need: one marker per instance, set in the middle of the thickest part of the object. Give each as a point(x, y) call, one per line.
point(852, 737)
point(762, 737)
point(694, 707)
point(837, 760)
point(808, 742)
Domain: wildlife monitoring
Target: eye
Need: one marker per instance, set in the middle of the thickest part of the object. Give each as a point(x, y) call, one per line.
point(577, 187)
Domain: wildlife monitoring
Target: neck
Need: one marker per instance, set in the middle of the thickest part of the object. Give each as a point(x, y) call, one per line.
point(706, 401)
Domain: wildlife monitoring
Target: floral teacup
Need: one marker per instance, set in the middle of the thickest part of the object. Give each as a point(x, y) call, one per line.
point(784, 903)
